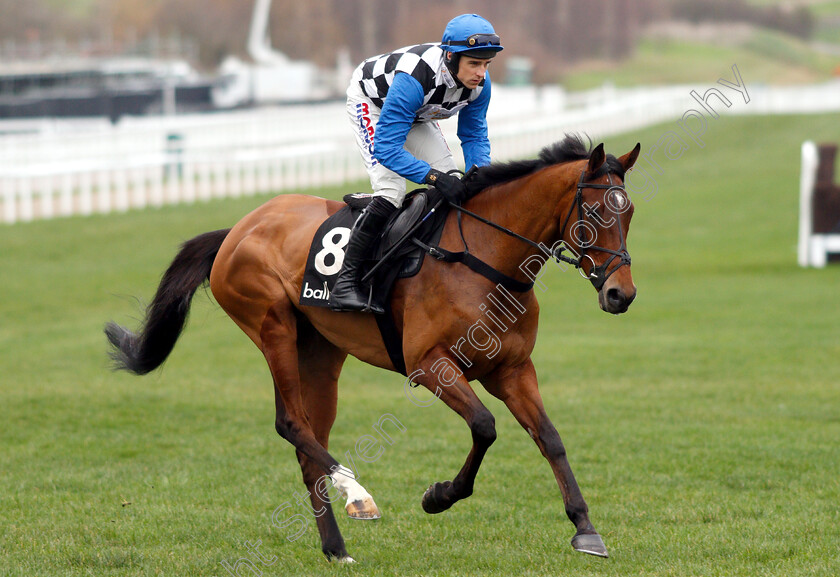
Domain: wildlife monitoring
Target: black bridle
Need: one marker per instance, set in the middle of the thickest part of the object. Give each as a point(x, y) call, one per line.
point(598, 275)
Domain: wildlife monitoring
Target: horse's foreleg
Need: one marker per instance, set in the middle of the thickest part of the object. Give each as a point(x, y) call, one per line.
point(518, 389)
point(459, 397)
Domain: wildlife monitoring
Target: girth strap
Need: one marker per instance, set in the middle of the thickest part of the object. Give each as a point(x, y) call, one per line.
point(392, 339)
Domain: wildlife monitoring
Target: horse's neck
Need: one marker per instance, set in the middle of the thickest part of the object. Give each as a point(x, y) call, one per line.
point(531, 207)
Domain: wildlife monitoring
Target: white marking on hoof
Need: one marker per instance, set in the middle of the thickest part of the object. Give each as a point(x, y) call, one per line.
point(360, 504)
point(344, 560)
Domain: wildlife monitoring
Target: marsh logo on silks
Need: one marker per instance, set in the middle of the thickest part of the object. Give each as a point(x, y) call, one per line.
point(326, 257)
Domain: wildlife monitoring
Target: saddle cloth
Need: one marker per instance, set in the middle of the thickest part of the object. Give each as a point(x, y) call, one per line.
point(326, 253)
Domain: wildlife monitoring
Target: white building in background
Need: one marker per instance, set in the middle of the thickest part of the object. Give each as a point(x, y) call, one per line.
point(272, 76)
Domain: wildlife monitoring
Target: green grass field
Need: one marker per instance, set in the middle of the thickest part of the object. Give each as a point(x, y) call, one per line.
point(771, 57)
point(702, 425)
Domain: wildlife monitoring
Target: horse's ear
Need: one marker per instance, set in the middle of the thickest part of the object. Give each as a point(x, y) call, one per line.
point(597, 158)
point(629, 159)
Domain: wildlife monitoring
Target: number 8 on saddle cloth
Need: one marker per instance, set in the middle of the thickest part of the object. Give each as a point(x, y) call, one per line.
point(326, 254)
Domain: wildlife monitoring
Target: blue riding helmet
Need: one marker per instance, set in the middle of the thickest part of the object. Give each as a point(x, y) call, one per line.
point(471, 33)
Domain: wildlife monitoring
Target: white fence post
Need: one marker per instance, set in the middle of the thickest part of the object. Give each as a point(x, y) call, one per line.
point(807, 180)
point(139, 188)
point(26, 212)
point(249, 180)
point(85, 193)
point(103, 194)
point(205, 182)
point(9, 200)
point(234, 179)
point(46, 197)
point(188, 183)
point(155, 175)
point(66, 207)
point(173, 192)
point(121, 198)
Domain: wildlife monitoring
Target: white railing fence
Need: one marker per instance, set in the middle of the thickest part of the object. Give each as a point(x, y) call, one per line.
point(63, 168)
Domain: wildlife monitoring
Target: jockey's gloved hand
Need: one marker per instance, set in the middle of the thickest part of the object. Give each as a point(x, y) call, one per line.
point(449, 185)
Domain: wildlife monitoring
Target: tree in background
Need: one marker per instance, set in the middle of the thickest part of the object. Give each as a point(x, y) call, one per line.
point(553, 33)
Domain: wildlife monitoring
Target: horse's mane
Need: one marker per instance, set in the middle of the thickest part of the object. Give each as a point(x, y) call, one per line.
point(571, 148)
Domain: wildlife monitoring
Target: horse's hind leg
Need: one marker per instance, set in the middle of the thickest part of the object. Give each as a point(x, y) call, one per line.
point(279, 343)
point(320, 364)
point(459, 397)
point(278, 336)
point(517, 388)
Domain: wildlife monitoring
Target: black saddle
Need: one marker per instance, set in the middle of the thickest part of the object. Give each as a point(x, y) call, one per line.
point(408, 258)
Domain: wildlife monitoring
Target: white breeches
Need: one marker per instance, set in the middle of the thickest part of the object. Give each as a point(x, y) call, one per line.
point(425, 141)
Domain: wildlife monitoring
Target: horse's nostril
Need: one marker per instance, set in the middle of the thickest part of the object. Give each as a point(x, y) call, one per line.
point(615, 297)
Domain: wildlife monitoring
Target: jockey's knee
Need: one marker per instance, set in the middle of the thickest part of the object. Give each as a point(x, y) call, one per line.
point(395, 197)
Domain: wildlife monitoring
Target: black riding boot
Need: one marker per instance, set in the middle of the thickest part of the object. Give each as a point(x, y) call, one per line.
point(348, 294)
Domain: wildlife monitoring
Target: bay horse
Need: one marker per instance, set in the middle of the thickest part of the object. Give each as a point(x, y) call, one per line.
point(570, 197)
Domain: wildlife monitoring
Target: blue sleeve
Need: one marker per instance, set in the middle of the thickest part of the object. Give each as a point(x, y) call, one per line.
point(472, 129)
point(405, 97)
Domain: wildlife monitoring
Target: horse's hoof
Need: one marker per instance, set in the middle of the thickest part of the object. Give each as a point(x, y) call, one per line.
point(433, 498)
point(591, 544)
point(363, 509)
point(346, 560)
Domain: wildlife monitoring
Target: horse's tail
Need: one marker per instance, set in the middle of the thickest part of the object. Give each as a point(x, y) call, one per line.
point(166, 315)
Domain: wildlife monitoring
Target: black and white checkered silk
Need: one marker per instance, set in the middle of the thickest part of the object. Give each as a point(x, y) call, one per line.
point(443, 97)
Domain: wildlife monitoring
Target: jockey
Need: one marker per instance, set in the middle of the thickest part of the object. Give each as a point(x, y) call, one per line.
point(394, 102)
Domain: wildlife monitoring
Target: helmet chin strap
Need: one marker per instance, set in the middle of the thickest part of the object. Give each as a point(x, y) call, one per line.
point(453, 61)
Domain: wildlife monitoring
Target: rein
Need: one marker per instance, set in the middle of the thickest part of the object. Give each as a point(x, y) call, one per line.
point(598, 274)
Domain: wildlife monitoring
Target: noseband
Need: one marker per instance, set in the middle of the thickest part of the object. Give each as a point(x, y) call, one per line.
point(598, 275)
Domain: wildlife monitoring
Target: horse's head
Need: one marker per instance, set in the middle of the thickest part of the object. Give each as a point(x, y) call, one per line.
point(596, 226)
